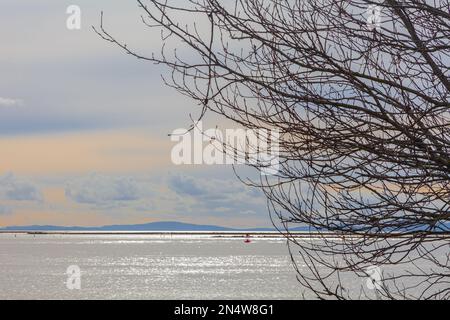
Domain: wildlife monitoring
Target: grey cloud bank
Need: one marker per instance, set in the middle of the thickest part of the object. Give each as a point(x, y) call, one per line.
point(73, 80)
point(9, 102)
point(16, 189)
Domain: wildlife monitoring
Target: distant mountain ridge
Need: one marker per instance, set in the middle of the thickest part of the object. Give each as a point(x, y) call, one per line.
point(152, 226)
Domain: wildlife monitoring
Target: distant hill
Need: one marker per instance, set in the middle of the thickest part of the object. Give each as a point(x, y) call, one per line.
point(153, 226)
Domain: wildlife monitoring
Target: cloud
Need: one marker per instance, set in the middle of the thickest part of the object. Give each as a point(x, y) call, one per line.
point(8, 102)
point(205, 188)
point(100, 189)
point(178, 194)
point(185, 185)
point(5, 210)
point(131, 198)
point(15, 189)
point(217, 196)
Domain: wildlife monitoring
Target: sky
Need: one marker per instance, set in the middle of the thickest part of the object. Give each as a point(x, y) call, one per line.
point(84, 127)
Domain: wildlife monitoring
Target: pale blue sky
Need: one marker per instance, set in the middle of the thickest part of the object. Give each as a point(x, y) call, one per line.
point(84, 127)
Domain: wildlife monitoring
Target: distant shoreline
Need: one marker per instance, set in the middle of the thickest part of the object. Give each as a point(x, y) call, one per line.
point(151, 227)
point(168, 233)
point(214, 234)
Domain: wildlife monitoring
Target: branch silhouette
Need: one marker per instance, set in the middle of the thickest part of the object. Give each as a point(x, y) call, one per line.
point(363, 116)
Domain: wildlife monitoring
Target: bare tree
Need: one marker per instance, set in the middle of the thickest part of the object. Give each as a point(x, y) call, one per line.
point(359, 91)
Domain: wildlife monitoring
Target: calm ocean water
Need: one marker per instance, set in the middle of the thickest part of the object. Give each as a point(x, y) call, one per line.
point(145, 267)
point(161, 266)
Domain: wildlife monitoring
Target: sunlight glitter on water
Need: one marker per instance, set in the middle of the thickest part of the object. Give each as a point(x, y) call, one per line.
point(145, 267)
